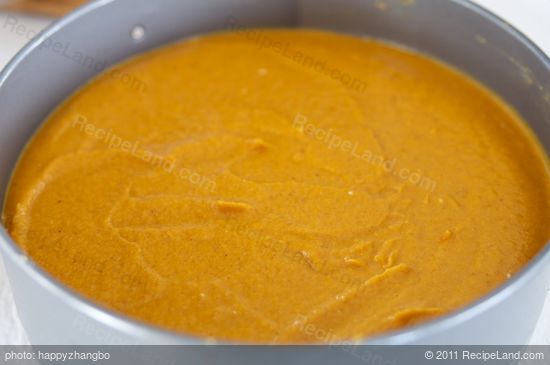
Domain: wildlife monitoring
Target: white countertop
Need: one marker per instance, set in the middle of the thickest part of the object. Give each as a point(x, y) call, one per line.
point(532, 17)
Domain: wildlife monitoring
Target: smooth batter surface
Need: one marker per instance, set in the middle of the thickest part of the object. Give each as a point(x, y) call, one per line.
point(319, 188)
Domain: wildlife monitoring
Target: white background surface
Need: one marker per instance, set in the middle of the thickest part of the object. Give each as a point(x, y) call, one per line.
point(532, 17)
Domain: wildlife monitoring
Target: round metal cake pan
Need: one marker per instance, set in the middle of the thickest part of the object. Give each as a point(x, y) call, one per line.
point(457, 32)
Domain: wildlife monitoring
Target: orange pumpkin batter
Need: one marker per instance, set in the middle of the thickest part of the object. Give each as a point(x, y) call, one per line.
point(282, 186)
